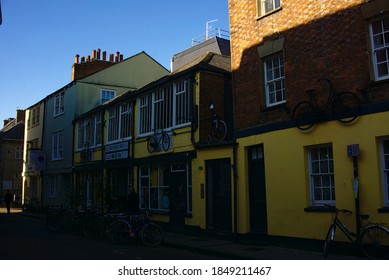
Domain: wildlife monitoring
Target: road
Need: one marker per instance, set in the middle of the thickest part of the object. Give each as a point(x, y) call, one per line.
point(27, 238)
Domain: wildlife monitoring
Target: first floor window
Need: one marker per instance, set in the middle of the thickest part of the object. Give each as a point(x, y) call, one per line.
point(385, 170)
point(57, 145)
point(59, 103)
point(379, 32)
point(106, 95)
point(321, 171)
point(266, 6)
point(274, 80)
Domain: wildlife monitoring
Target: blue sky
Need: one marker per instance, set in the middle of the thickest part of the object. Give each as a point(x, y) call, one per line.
point(39, 39)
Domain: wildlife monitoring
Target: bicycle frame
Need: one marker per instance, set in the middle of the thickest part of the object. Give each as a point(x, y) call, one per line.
point(351, 236)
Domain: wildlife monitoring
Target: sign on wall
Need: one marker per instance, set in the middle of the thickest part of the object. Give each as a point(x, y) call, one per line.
point(116, 151)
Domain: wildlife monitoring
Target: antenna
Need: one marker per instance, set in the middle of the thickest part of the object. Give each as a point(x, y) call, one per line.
point(208, 28)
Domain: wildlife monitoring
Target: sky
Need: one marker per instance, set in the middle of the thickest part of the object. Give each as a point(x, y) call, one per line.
point(39, 39)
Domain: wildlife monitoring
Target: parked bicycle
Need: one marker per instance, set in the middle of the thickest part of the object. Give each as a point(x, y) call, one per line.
point(345, 106)
point(218, 127)
point(137, 226)
point(160, 140)
point(373, 239)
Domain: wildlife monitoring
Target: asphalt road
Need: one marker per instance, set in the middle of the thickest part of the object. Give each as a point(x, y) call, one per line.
point(27, 238)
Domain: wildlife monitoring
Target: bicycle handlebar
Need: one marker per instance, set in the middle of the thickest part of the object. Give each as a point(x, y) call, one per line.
point(338, 210)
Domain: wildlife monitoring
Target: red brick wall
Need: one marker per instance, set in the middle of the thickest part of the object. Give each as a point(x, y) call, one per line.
point(322, 39)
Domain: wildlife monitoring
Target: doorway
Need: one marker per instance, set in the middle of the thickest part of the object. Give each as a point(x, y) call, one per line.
point(218, 195)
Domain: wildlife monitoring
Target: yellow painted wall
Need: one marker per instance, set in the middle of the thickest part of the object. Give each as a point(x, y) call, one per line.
point(287, 178)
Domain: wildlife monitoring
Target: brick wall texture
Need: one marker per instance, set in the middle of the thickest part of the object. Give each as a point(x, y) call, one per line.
point(323, 39)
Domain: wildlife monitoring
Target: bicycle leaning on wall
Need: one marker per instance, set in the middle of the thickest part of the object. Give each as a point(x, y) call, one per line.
point(373, 239)
point(344, 106)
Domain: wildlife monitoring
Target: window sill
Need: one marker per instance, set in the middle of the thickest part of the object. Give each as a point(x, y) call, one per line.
point(269, 13)
point(319, 209)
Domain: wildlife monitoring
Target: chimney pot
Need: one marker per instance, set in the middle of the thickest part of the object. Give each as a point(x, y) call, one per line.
point(111, 57)
point(117, 56)
point(94, 54)
point(76, 58)
point(121, 57)
point(83, 59)
point(98, 54)
point(88, 58)
point(104, 55)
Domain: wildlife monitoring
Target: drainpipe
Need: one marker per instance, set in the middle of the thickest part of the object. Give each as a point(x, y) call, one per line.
point(235, 193)
point(133, 143)
point(195, 114)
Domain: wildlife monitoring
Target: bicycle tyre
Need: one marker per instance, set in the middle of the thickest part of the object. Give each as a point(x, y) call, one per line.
point(165, 141)
point(152, 144)
point(300, 112)
point(219, 131)
point(374, 242)
point(347, 107)
point(329, 239)
point(151, 235)
point(119, 232)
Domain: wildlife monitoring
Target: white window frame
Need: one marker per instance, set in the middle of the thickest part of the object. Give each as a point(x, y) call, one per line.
point(59, 103)
point(321, 174)
point(88, 132)
point(106, 95)
point(385, 170)
point(265, 7)
point(165, 108)
point(18, 152)
point(151, 196)
point(119, 125)
point(274, 76)
point(380, 48)
point(57, 145)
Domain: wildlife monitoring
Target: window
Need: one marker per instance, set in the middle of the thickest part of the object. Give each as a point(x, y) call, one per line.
point(156, 196)
point(107, 95)
point(274, 80)
point(59, 104)
point(18, 152)
point(266, 6)
point(385, 170)
point(33, 116)
point(57, 145)
point(164, 108)
point(379, 31)
point(89, 132)
point(321, 171)
point(119, 122)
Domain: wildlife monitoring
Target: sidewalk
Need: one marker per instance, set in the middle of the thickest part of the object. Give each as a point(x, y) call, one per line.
point(229, 249)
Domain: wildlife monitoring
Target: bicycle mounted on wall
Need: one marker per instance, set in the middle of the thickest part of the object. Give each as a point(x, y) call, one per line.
point(218, 127)
point(344, 106)
point(158, 141)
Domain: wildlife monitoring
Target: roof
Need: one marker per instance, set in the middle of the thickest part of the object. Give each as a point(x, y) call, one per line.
point(14, 133)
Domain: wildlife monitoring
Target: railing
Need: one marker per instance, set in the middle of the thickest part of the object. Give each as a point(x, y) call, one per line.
point(212, 32)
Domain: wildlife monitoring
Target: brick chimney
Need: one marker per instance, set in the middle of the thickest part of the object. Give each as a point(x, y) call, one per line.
point(92, 64)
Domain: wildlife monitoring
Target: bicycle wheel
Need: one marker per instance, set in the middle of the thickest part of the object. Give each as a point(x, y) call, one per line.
point(329, 239)
point(165, 140)
point(346, 107)
point(219, 131)
point(120, 231)
point(151, 235)
point(374, 241)
point(152, 144)
point(300, 112)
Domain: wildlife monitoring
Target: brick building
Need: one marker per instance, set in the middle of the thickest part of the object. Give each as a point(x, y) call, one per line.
point(279, 50)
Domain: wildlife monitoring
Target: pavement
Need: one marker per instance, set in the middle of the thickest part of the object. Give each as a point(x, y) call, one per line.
point(228, 249)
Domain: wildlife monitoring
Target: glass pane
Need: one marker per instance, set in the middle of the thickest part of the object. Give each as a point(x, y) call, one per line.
point(314, 154)
point(381, 56)
point(377, 27)
point(318, 194)
point(326, 194)
point(386, 24)
point(382, 69)
point(386, 146)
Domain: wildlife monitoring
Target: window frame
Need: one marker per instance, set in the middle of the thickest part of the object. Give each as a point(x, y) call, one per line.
point(105, 99)
point(261, 10)
point(384, 47)
point(320, 174)
point(89, 133)
point(167, 107)
point(59, 104)
point(268, 81)
point(119, 122)
point(57, 145)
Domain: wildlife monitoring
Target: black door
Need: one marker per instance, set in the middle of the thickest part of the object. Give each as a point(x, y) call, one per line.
point(218, 194)
point(257, 190)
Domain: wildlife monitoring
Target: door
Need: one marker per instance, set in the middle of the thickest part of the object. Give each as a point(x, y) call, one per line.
point(257, 190)
point(218, 195)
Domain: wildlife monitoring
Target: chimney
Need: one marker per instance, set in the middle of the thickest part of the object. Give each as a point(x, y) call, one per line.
point(98, 54)
point(121, 57)
point(117, 56)
point(76, 58)
point(111, 57)
point(93, 54)
point(88, 58)
point(20, 115)
point(104, 55)
point(82, 59)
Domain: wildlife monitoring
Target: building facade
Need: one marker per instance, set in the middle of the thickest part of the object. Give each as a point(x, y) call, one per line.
point(290, 166)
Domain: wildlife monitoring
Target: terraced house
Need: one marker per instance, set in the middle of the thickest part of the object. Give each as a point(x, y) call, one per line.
point(300, 144)
point(158, 140)
point(95, 80)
